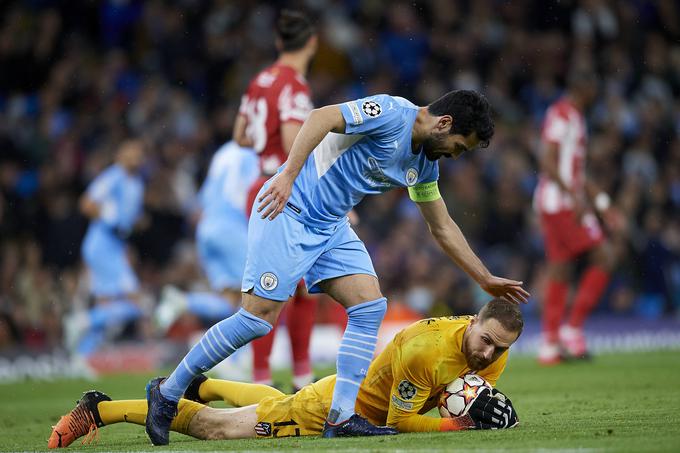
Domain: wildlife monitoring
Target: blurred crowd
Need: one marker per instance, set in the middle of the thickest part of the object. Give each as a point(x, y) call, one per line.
point(78, 77)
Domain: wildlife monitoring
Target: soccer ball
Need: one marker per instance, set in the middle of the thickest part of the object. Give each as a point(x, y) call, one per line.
point(459, 395)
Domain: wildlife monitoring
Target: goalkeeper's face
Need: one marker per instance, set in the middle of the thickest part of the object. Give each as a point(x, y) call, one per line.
point(485, 341)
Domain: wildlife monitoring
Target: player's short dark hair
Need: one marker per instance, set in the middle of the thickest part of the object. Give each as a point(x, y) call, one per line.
point(506, 313)
point(293, 28)
point(470, 111)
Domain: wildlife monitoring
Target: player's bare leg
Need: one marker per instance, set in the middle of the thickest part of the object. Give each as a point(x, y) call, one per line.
point(266, 309)
point(96, 410)
point(366, 306)
point(221, 424)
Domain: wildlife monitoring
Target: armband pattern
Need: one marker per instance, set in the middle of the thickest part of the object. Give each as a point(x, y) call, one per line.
point(427, 191)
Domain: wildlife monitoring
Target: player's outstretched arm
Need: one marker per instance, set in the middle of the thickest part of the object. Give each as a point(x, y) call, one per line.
point(317, 125)
point(451, 240)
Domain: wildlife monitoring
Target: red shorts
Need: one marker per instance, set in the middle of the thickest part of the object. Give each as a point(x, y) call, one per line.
point(566, 238)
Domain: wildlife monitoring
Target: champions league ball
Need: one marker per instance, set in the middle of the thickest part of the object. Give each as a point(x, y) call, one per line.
point(459, 395)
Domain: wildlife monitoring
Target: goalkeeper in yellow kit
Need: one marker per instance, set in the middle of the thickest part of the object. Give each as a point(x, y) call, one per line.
point(403, 383)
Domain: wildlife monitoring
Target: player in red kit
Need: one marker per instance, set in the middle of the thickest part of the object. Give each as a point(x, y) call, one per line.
point(271, 113)
point(567, 202)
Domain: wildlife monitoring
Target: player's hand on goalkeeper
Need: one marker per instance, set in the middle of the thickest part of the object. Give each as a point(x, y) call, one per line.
point(493, 410)
point(510, 290)
point(274, 199)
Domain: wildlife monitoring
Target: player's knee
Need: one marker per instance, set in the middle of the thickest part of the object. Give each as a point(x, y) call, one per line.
point(265, 309)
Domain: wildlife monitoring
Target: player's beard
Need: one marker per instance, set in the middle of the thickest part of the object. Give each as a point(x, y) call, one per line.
point(474, 362)
point(432, 144)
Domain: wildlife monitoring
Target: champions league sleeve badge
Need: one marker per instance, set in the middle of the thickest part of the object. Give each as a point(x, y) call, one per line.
point(371, 108)
point(406, 390)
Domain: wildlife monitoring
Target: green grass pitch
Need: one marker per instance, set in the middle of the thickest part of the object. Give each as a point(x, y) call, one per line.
point(618, 402)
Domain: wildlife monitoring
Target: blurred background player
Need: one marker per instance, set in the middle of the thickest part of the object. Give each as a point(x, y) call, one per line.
point(272, 111)
point(113, 203)
point(221, 239)
point(566, 200)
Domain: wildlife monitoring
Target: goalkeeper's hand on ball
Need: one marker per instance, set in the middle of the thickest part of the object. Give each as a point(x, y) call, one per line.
point(493, 410)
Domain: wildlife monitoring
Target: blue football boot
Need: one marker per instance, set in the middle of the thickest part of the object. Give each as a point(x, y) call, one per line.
point(356, 425)
point(161, 412)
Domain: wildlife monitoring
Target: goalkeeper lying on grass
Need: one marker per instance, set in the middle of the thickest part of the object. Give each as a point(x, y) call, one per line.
point(403, 383)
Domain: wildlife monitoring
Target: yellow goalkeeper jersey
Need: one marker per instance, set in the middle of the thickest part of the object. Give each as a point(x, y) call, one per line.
point(406, 379)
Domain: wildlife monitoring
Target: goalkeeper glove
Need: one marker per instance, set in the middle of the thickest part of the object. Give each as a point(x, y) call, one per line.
point(493, 410)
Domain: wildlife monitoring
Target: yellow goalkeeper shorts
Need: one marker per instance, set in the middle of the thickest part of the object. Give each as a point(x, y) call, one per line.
point(301, 414)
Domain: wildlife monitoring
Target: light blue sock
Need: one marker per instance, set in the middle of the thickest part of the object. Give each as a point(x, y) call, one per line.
point(354, 356)
point(209, 306)
point(218, 343)
point(105, 316)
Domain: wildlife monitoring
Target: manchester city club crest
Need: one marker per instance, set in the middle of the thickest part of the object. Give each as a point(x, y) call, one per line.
point(406, 390)
point(371, 108)
point(411, 176)
point(269, 281)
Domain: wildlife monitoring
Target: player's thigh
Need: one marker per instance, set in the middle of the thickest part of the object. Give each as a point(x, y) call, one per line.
point(345, 270)
point(280, 252)
point(220, 424)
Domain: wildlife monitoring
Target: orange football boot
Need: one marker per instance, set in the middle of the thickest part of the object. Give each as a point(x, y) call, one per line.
point(83, 420)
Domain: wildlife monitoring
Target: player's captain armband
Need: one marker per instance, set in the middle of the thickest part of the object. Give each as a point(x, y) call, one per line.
point(426, 191)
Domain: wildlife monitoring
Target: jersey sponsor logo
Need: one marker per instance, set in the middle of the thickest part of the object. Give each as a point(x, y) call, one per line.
point(269, 281)
point(371, 108)
point(402, 404)
point(263, 429)
point(406, 390)
point(411, 176)
point(356, 114)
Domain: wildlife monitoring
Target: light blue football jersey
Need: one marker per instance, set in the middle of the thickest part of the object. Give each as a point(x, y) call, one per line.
point(224, 194)
point(373, 156)
point(120, 197)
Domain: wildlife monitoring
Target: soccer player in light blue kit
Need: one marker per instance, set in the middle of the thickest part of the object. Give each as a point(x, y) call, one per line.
point(221, 237)
point(113, 203)
point(342, 153)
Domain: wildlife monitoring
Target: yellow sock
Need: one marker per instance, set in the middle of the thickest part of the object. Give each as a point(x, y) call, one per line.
point(134, 411)
point(130, 411)
point(237, 394)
